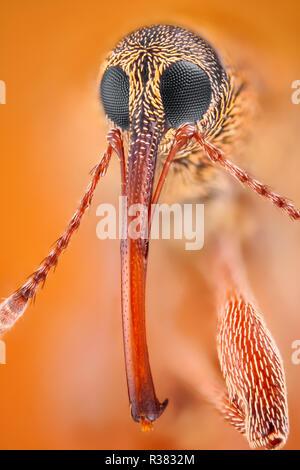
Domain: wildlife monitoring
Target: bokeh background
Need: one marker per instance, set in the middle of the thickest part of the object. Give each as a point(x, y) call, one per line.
point(64, 382)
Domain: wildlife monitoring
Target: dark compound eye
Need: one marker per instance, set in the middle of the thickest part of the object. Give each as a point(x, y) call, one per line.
point(186, 93)
point(114, 94)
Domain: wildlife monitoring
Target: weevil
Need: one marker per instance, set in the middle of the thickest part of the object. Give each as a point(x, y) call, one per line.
point(170, 98)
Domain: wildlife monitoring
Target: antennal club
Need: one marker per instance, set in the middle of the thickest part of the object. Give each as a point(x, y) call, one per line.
point(216, 156)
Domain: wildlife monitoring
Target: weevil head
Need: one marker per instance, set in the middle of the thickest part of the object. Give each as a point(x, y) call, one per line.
point(155, 80)
point(165, 74)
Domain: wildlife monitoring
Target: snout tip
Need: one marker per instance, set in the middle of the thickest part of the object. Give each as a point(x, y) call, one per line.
point(147, 418)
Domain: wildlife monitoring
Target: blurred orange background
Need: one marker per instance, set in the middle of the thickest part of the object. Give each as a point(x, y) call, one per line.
point(64, 382)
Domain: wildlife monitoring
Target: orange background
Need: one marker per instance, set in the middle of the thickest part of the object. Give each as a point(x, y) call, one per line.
point(64, 383)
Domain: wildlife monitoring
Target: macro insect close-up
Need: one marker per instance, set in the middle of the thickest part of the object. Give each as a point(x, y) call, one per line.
point(189, 120)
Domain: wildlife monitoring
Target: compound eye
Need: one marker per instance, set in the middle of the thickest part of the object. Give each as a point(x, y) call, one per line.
point(114, 94)
point(186, 93)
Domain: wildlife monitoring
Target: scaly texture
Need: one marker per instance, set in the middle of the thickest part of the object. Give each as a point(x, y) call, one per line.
point(254, 375)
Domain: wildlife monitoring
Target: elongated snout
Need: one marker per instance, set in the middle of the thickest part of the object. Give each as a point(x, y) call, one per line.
point(144, 140)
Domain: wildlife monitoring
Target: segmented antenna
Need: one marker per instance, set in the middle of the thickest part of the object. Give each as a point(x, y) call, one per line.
point(216, 156)
point(14, 306)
